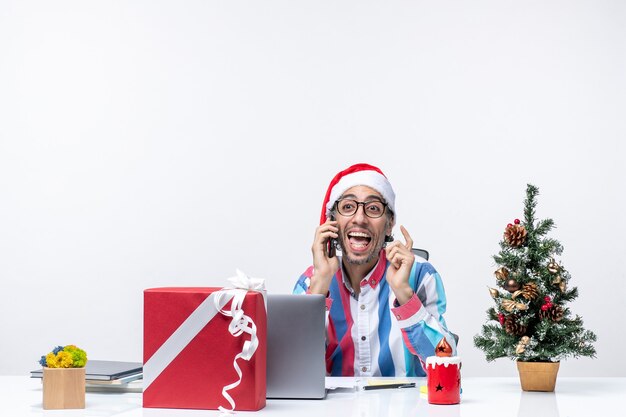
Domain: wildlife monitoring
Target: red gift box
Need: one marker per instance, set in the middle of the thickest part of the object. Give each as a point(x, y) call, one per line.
point(189, 351)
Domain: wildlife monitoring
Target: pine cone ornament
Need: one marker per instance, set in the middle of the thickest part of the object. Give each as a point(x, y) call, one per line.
point(529, 291)
point(515, 235)
point(554, 313)
point(512, 326)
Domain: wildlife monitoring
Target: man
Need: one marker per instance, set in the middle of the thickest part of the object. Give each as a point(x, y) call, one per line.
point(385, 305)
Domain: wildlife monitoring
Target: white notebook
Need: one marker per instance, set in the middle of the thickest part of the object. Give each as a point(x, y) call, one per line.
point(104, 370)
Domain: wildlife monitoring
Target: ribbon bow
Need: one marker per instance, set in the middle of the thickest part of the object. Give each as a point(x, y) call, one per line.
point(245, 282)
point(239, 324)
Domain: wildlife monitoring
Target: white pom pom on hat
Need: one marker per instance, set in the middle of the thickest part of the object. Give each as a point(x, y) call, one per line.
point(358, 174)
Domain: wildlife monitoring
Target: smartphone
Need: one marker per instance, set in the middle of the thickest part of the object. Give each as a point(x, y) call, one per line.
point(332, 244)
point(332, 248)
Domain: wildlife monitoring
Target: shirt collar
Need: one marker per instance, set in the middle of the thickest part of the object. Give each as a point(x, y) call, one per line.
point(373, 277)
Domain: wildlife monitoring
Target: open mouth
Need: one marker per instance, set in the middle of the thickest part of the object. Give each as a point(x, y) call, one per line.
point(359, 241)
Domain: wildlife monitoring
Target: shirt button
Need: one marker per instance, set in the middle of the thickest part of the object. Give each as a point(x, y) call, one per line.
point(362, 306)
point(363, 338)
point(398, 317)
point(364, 369)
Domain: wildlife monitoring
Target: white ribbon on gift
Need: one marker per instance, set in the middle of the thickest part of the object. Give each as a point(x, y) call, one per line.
point(239, 324)
point(199, 318)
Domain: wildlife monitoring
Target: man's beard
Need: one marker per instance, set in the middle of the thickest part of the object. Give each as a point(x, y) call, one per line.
point(373, 254)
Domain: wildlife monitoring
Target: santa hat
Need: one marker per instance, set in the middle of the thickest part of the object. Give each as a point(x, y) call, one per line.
point(359, 174)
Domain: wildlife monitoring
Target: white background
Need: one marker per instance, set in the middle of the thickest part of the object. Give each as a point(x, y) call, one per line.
point(166, 143)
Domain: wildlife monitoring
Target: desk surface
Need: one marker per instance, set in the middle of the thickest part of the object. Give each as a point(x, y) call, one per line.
point(484, 397)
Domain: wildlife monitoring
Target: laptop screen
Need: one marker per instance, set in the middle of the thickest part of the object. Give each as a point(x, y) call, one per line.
point(296, 345)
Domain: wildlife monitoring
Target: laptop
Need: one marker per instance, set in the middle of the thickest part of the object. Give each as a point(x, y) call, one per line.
point(296, 346)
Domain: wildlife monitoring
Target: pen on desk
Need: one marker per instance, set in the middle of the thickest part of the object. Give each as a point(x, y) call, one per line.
point(385, 386)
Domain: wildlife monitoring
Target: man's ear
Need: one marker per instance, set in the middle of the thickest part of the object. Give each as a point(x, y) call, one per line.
point(390, 225)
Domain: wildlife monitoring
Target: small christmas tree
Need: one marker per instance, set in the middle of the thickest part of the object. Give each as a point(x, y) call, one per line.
point(531, 321)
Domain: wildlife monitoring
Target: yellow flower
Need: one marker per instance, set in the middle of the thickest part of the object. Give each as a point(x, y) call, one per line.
point(51, 360)
point(60, 360)
point(70, 356)
point(66, 359)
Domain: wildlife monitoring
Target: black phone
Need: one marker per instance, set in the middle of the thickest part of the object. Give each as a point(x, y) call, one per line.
point(332, 244)
point(332, 248)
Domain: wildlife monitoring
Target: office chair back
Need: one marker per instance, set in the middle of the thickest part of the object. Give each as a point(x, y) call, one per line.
point(422, 253)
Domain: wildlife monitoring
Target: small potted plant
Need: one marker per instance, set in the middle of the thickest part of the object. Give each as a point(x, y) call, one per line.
point(531, 322)
point(64, 378)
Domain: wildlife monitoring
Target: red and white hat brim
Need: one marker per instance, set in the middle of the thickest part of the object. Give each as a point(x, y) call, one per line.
point(368, 178)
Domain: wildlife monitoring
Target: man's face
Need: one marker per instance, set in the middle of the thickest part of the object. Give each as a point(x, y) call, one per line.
point(362, 237)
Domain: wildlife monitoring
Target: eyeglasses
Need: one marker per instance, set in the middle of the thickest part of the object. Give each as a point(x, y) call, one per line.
point(372, 209)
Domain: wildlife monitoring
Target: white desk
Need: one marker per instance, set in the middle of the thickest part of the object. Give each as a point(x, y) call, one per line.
point(482, 397)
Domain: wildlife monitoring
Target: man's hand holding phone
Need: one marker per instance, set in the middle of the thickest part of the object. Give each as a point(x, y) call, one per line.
point(325, 262)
